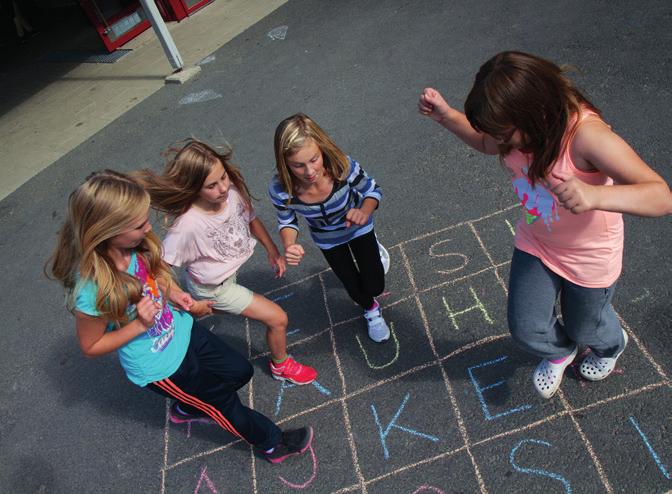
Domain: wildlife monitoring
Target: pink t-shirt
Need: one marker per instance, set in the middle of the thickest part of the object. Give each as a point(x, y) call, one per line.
point(211, 246)
point(586, 248)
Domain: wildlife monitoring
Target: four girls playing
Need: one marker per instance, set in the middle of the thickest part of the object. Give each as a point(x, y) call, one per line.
point(573, 175)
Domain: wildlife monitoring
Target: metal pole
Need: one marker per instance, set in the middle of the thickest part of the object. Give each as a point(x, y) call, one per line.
point(163, 34)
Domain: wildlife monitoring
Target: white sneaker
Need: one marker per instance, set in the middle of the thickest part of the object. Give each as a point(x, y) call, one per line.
point(596, 368)
point(378, 330)
point(384, 257)
point(548, 376)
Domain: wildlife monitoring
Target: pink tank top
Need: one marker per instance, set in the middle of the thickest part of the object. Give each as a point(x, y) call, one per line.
point(586, 248)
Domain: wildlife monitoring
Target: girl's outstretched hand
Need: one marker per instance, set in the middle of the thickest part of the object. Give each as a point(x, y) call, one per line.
point(356, 216)
point(293, 254)
point(574, 194)
point(201, 308)
point(147, 310)
point(277, 263)
point(181, 299)
point(432, 104)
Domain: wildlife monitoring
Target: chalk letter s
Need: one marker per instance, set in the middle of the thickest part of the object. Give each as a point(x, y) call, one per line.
point(535, 471)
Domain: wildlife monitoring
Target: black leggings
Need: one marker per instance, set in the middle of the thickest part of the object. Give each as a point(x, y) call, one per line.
point(366, 282)
point(207, 381)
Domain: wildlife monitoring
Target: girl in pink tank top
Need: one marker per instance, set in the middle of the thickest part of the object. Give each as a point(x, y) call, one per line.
point(574, 178)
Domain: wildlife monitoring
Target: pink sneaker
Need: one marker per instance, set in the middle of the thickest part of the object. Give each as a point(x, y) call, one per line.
point(292, 371)
point(179, 416)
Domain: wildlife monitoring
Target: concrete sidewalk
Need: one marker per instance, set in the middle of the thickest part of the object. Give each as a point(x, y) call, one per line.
point(66, 110)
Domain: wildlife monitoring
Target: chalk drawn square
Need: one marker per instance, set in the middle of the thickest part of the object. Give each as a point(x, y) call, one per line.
point(436, 476)
point(329, 466)
point(637, 439)
point(397, 283)
point(279, 399)
point(197, 438)
point(633, 370)
point(466, 312)
point(304, 305)
point(496, 233)
point(493, 388)
point(341, 306)
point(402, 422)
point(503, 272)
point(201, 437)
point(364, 362)
point(548, 457)
point(397, 287)
point(445, 256)
point(214, 471)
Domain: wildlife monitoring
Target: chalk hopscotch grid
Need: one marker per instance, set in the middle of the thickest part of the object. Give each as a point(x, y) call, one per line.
point(438, 361)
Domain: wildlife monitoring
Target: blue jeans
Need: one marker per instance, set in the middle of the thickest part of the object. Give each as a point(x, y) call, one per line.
point(587, 314)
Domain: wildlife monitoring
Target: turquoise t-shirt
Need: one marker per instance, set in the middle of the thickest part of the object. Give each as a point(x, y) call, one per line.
point(158, 352)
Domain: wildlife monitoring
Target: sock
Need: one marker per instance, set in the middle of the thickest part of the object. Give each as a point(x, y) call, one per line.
point(277, 362)
point(269, 451)
point(559, 360)
point(375, 306)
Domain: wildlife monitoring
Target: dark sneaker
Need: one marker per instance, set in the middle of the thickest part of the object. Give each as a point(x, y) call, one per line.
point(179, 416)
point(294, 442)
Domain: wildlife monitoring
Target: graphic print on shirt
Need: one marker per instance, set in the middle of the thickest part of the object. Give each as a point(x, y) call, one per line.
point(232, 239)
point(537, 201)
point(163, 328)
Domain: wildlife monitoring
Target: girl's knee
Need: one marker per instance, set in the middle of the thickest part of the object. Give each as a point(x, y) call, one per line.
point(278, 321)
point(245, 374)
point(522, 330)
point(518, 338)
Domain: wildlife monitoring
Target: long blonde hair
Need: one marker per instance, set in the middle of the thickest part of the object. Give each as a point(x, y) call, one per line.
point(175, 190)
point(293, 133)
point(105, 205)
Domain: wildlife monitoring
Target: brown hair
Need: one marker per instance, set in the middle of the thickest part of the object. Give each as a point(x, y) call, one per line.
point(518, 91)
point(174, 191)
point(291, 134)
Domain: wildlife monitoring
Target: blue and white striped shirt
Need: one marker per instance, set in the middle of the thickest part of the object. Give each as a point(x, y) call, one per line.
point(326, 220)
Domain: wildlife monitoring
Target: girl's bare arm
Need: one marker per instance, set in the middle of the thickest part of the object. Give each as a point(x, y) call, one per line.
point(637, 189)
point(433, 105)
point(95, 341)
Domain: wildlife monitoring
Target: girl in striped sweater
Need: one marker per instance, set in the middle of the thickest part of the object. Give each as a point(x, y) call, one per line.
point(318, 181)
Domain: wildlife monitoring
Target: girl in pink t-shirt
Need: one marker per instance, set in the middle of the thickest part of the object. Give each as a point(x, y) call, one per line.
point(212, 233)
point(574, 178)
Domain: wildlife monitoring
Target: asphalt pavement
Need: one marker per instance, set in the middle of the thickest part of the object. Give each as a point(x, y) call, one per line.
point(447, 405)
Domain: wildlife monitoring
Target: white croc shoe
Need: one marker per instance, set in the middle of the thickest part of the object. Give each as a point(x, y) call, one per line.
point(548, 376)
point(596, 368)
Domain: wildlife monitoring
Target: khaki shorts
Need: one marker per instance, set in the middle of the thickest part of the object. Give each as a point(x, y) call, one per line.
point(229, 296)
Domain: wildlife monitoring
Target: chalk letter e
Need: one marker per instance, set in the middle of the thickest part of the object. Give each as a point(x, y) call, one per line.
point(479, 390)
